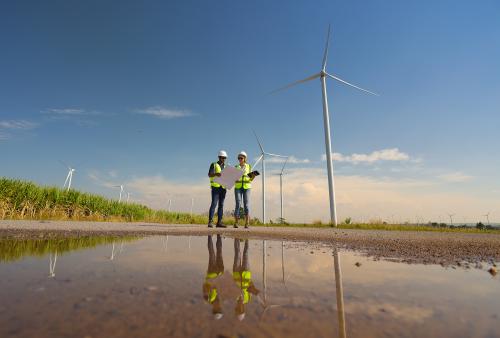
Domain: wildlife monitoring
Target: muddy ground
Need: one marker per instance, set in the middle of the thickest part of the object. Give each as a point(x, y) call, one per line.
point(466, 250)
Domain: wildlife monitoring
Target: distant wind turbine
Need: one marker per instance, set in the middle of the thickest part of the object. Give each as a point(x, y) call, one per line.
point(451, 218)
point(262, 157)
point(322, 75)
point(121, 191)
point(69, 177)
point(128, 196)
point(487, 215)
point(282, 217)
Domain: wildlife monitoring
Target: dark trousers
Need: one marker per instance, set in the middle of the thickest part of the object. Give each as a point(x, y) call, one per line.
point(218, 196)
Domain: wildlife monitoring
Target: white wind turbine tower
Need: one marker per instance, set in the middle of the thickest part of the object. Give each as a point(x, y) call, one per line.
point(322, 75)
point(487, 215)
point(262, 157)
point(281, 189)
point(128, 196)
point(451, 218)
point(121, 191)
point(69, 177)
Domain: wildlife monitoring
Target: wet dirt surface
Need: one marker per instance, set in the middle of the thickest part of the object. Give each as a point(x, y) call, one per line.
point(469, 250)
point(161, 286)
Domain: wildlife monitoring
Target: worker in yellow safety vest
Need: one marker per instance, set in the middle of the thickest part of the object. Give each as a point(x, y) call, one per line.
point(215, 270)
point(218, 191)
point(243, 279)
point(242, 189)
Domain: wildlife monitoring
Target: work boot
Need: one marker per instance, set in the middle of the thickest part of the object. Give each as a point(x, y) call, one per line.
point(246, 225)
point(221, 225)
point(235, 225)
point(211, 224)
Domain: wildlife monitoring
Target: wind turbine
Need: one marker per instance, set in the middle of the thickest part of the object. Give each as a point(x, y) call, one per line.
point(451, 218)
point(169, 204)
point(322, 75)
point(128, 196)
point(281, 190)
point(121, 191)
point(487, 215)
point(69, 177)
point(262, 157)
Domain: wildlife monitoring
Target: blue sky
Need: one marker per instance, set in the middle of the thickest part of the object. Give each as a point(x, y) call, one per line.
point(146, 93)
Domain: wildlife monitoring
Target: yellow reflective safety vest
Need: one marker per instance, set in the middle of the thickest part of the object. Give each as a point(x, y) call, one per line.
point(217, 170)
point(244, 180)
point(212, 294)
point(243, 280)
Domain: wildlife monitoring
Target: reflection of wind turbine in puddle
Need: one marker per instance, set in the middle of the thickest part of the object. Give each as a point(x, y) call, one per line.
point(264, 303)
point(112, 252)
point(164, 240)
point(340, 293)
point(284, 279)
point(52, 265)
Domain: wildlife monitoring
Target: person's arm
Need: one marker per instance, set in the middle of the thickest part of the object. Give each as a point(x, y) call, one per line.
point(211, 171)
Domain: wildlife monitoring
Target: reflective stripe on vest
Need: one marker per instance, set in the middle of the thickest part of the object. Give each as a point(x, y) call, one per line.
point(243, 278)
point(244, 180)
point(212, 296)
point(217, 170)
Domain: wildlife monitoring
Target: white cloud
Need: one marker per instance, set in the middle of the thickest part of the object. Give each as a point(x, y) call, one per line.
point(455, 177)
point(392, 154)
point(164, 113)
point(4, 136)
point(291, 159)
point(67, 112)
point(18, 125)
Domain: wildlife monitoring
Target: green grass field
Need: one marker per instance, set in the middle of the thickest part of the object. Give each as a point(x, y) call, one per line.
point(26, 200)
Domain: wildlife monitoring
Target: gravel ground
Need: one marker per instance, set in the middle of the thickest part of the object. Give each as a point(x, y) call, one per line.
point(448, 249)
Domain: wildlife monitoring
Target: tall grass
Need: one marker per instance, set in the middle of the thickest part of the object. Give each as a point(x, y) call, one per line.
point(14, 249)
point(26, 200)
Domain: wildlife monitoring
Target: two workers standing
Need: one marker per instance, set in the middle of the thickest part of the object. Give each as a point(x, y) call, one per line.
point(241, 190)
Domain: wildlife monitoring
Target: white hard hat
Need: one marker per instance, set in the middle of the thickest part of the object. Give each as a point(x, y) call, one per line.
point(218, 316)
point(222, 153)
point(242, 153)
point(241, 316)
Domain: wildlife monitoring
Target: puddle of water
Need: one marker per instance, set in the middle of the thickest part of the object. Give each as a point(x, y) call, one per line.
point(221, 287)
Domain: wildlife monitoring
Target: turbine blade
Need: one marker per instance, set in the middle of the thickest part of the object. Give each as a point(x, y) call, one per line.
point(276, 155)
point(312, 77)
point(325, 56)
point(258, 160)
point(65, 164)
point(282, 169)
point(67, 178)
point(258, 141)
point(350, 84)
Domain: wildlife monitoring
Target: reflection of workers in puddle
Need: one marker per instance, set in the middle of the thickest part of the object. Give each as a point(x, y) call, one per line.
point(215, 269)
point(243, 278)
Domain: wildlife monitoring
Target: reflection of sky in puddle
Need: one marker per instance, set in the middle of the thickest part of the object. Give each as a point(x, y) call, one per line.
point(176, 286)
